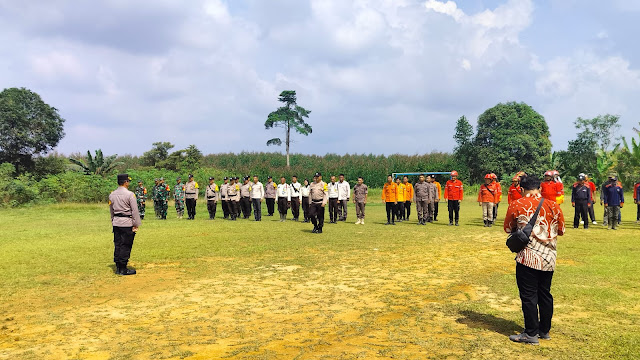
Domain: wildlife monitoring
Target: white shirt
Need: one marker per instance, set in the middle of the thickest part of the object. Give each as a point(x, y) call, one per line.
point(257, 190)
point(305, 190)
point(282, 191)
point(333, 190)
point(344, 190)
point(295, 190)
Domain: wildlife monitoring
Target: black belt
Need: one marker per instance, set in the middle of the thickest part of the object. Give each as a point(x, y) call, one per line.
point(317, 201)
point(245, 197)
point(190, 193)
point(122, 215)
point(213, 197)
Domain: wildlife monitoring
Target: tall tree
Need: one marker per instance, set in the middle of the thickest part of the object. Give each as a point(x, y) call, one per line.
point(158, 153)
point(28, 127)
point(601, 129)
point(511, 137)
point(289, 116)
point(97, 165)
point(192, 158)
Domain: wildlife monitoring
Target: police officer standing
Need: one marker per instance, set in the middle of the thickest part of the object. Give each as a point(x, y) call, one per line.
point(360, 195)
point(318, 194)
point(178, 197)
point(581, 200)
point(224, 197)
point(296, 197)
point(191, 196)
point(245, 197)
point(422, 198)
point(125, 220)
point(270, 195)
point(141, 195)
point(233, 194)
point(212, 198)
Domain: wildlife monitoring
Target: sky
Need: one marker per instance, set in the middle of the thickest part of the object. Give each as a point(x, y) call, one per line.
point(379, 76)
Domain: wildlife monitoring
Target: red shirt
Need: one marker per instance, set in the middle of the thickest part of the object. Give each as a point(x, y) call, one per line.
point(549, 190)
point(453, 190)
point(488, 193)
point(592, 186)
point(514, 193)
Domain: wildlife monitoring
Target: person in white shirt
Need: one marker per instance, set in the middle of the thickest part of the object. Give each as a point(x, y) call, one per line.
point(344, 193)
point(304, 193)
point(296, 197)
point(333, 200)
point(283, 198)
point(257, 194)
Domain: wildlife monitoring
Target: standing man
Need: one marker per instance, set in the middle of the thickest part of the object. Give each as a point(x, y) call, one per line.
point(636, 200)
point(453, 194)
point(360, 195)
point(400, 198)
point(421, 196)
point(432, 198)
point(319, 195)
point(487, 196)
point(408, 197)
point(549, 188)
point(245, 197)
point(333, 200)
point(580, 200)
point(559, 187)
point(296, 197)
point(390, 198)
point(141, 196)
point(305, 191)
point(592, 187)
point(191, 196)
point(224, 197)
point(515, 191)
point(605, 218)
point(233, 195)
point(154, 196)
point(125, 220)
point(438, 197)
point(613, 200)
point(344, 194)
point(178, 197)
point(163, 198)
point(211, 193)
point(270, 195)
point(536, 263)
point(283, 197)
point(498, 188)
point(257, 194)
point(238, 198)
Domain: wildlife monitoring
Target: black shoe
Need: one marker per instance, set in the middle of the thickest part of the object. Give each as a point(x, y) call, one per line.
point(525, 339)
point(457, 224)
point(544, 336)
point(124, 271)
point(450, 223)
point(490, 223)
point(393, 223)
point(319, 231)
point(420, 222)
point(141, 217)
point(388, 223)
point(315, 230)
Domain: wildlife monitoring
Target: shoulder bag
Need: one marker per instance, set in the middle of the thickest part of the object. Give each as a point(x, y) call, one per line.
point(519, 239)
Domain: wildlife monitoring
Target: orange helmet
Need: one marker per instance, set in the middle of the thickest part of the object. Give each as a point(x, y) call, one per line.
point(494, 176)
point(488, 176)
point(516, 178)
point(555, 172)
point(454, 173)
point(548, 173)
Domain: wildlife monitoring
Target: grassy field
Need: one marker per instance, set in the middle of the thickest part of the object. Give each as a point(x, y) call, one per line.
point(270, 290)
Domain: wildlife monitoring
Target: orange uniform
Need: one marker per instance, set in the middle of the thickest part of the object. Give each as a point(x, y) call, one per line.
point(488, 193)
point(390, 192)
point(408, 192)
point(498, 191)
point(453, 190)
point(439, 190)
point(514, 193)
point(549, 190)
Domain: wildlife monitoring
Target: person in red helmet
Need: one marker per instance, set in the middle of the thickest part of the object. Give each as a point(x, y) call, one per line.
point(487, 197)
point(559, 187)
point(453, 193)
point(515, 191)
point(498, 186)
point(548, 188)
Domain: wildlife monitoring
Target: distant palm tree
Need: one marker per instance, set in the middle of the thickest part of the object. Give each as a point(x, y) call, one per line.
point(98, 165)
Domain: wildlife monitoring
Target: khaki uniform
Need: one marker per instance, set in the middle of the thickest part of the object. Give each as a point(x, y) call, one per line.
point(233, 194)
point(224, 199)
point(360, 195)
point(212, 194)
point(245, 199)
point(319, 196)
point(424, 195)
point(191, 196)
point(124, 217)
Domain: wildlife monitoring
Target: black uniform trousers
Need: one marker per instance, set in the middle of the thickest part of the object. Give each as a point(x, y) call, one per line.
point(225, 208)
point(435, 210)
point(454, 209)
point(637, 215)
point(407, 209)
point(333, 209)
point(233, 209)
point(270, 205)
point(282, 206)
point(316, 213)
point(295, 207)
point(592, 214)
point(257, 209)
point(495, 211)
point(191, 207)
point(122, 243)
point(535, 294)
point(391, 212)
point(305, 207)
point(245, 204)
point(212, 206)
point(581, 210)
point(400, 210)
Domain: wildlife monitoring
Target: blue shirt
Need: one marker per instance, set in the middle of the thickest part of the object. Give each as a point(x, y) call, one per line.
point(613, 195)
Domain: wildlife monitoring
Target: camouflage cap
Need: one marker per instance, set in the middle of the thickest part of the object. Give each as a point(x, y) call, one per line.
point(139, 181)
point(613, 175)
point(178, 178)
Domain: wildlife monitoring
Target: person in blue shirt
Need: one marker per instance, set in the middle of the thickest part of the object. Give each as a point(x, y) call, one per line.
point(613, 200)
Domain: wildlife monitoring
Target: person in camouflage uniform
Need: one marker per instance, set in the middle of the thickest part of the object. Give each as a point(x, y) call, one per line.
point(178, 196)
point(141, 196)
point(162, 195)
point(154, 196)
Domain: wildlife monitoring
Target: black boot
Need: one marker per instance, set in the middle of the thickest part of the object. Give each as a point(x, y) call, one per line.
point(122, 270)
point(319, 230)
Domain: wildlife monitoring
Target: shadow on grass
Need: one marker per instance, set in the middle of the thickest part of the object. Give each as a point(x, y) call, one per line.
point(488, 322)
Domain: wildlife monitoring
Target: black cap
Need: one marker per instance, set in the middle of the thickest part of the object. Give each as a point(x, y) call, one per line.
point(269, 177)
point(246, 178)
point(581, 177)
point(211, 178)
point(226, 178)
point(190, 175)
point(317, 174)
point(123, 177)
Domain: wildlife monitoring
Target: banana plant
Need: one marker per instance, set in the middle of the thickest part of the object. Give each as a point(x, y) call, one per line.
point(98, 165)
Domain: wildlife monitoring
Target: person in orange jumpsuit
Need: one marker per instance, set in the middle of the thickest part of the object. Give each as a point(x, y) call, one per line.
point(453, 194)
point(498, 186)
point(487, 197)
point(435, 204)
point(390, 198)
point(515, 191)
point(548, 187)
point(408, 197)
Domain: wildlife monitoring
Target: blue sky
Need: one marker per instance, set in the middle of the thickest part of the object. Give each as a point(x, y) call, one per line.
point(380, 76)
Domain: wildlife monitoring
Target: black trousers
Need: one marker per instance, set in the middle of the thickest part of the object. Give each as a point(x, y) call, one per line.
point(592, 213)
point(342, 209)
point(191, 207)
point(400, 210)
point(282, 206)
point(270, 205)
point(305, 207)
point(495, 211)
point(238, 207)
point(295, 207)
point(257, 209)
point(454, 209)
point(233, 209)
point(407, 209)
point(333, 209)
point(582, 209)
point(316, 213)
point(212, 205)
point(122, 244)
point(638, 214)
point(245, 204)
point(537, 302)
point(435, 210)
point(225, 208)
point(391, 212)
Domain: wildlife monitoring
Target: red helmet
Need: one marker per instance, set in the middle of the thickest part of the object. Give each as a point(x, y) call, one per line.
point(488, 176)
point(516, 178)
point(494, 176)
point(555, 172)
point(454, 173)
point(548, 173)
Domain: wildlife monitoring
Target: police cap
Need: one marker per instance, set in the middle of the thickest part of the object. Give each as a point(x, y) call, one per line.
point(190, 176)
point(226, 178)
point(123, 178)
point(212, 178)
point(317, 174)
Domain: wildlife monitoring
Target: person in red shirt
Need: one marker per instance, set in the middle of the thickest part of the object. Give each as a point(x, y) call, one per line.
point(453, 193)
point(636, 200)
point(515, 191)
point(592, 186)
point(548, 188)
point(559, 187)
point(487, 196)
point(498, 187)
